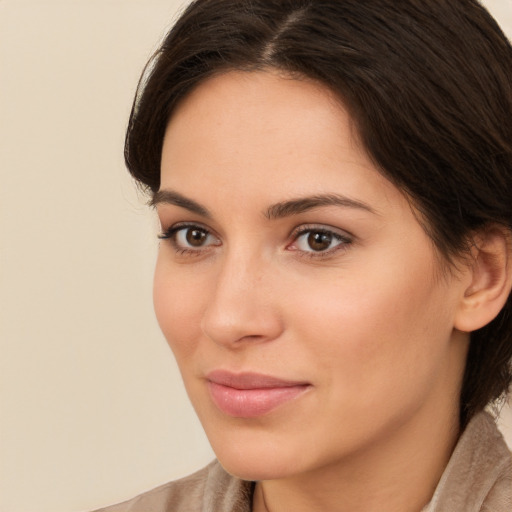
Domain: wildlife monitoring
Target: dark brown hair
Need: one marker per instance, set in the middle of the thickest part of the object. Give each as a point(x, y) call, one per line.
point(428, 84)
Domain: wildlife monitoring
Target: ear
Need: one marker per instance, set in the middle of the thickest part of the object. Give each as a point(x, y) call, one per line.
point(490, 279)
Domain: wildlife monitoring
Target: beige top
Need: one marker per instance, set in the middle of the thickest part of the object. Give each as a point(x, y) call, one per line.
point(478, 478)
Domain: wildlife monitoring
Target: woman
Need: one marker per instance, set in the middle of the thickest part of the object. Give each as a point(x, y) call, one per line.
point(333, 181)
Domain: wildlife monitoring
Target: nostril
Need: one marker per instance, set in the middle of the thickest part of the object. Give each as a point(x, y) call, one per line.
point(249, 324)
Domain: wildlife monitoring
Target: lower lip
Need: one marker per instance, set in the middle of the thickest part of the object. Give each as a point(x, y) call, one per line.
point(251, 403)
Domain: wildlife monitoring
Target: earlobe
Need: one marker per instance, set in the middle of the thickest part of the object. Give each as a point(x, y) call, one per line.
point(490, 279)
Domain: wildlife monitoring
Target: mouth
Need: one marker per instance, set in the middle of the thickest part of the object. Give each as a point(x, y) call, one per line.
point(250, 395)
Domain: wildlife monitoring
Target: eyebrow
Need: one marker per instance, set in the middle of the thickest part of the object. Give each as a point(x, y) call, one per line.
point(175, 198)
point(304, 204)
point(273, 212)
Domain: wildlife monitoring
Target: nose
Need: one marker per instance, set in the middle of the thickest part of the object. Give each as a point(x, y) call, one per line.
point(243, 306)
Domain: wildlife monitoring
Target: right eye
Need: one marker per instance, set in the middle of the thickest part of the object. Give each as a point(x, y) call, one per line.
point(189, 238)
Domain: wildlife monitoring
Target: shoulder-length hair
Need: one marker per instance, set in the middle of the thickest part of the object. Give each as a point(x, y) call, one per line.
point(428, 84)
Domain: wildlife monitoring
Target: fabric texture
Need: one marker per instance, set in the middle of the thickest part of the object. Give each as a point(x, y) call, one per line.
point(478, 478)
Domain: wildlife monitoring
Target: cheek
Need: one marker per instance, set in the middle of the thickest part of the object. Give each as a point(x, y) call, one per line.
point(376, 333)
point(178, 309)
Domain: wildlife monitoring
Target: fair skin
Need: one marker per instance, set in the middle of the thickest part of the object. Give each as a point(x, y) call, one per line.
point(339, 291)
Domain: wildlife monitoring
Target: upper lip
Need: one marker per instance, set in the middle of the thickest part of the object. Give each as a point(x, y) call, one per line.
point(250, 380)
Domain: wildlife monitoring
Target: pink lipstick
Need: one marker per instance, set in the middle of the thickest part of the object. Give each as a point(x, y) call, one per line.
point(249, 395)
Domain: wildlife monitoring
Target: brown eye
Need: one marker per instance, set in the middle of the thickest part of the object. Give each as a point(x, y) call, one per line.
point(319, 241)
point(196, 237)
point(191, 238)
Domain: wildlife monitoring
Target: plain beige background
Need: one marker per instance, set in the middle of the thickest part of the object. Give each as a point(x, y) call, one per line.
point(92, 410)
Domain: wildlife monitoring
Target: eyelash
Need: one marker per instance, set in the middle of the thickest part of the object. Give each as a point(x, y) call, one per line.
point(344, 240)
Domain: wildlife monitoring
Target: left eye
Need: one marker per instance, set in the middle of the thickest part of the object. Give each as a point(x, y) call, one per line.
point(190, 237)
point(318, 240)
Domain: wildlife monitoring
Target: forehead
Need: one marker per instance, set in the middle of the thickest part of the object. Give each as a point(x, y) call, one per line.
point(247, 140)
point(259, 104)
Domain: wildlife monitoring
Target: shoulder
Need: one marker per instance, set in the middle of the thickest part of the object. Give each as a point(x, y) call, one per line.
point(478, 477)
point(211, 489)
point(499, 497)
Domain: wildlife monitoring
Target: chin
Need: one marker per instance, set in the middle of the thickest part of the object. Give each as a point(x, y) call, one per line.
point(257, 466)
point(255, 454)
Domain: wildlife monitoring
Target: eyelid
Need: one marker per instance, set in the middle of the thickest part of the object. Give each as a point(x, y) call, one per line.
point(306, 228)
point(174, 228)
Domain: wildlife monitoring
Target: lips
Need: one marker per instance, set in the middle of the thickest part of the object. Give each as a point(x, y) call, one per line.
point(250, 395)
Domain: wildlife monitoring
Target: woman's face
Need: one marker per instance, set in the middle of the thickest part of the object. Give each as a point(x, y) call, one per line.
point(301, 298)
